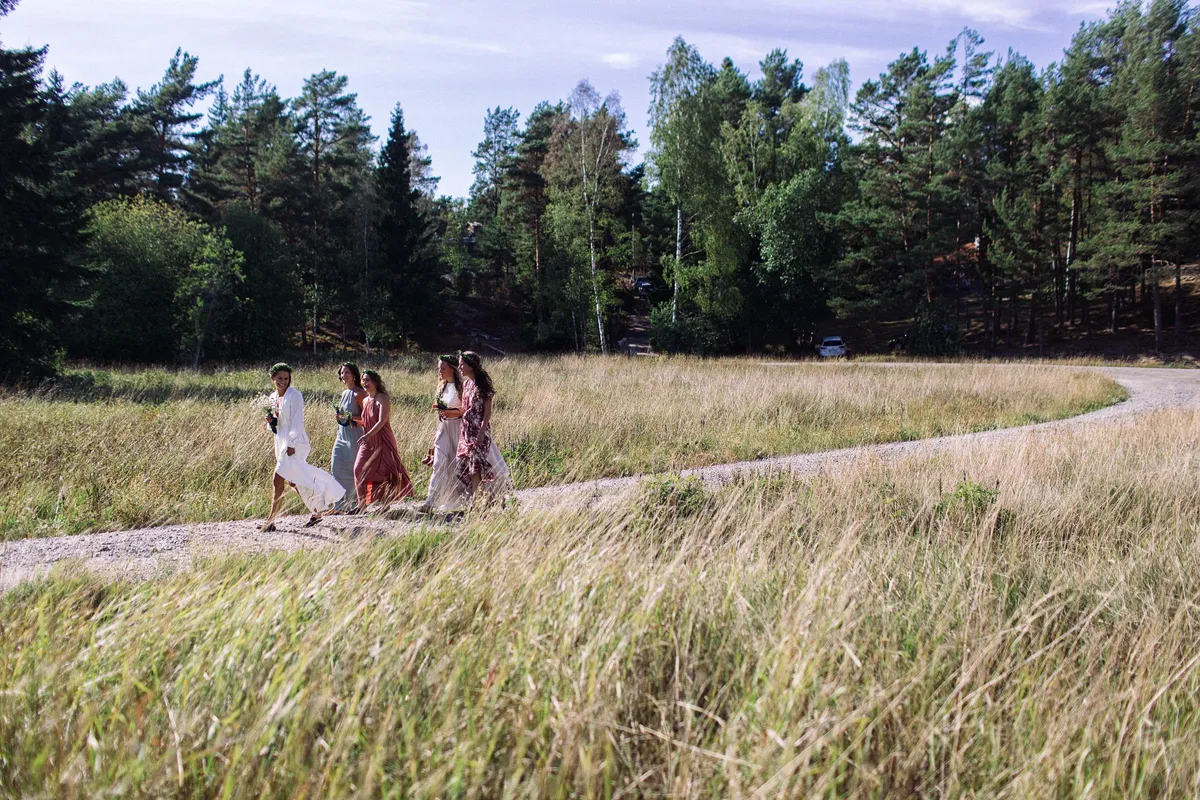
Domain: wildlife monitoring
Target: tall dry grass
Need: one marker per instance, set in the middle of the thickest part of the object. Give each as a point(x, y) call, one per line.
point(1010, 621)
point(125, 449)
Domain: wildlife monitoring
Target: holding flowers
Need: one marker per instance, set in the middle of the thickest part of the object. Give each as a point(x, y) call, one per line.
point(379, 474)
point(479, 464)
point(348, 413)
point(445, 492)
point(317, 488)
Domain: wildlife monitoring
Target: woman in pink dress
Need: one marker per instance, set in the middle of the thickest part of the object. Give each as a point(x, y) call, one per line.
point(479, 464)
point(379, 474)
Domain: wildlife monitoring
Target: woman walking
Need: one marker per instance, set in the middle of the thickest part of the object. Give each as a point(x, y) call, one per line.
point(350, 430)
point(445, 492)
point(379, 474)
point(317, 488)
point(479, 464)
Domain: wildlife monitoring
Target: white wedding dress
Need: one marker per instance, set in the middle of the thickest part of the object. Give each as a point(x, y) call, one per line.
point(445, 492)
point(318, 488)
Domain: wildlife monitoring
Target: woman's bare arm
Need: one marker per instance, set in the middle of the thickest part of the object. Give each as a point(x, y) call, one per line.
point(385, 413)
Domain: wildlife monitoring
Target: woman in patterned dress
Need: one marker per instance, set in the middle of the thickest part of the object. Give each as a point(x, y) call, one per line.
point(479, 464)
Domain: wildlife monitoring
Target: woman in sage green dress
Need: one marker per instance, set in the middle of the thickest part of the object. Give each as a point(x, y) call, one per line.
point(349, 432)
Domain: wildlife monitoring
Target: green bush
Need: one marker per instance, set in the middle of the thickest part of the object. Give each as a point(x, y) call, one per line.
point(691, 334)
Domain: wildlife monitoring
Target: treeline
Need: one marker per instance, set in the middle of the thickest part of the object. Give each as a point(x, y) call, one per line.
point(138, 229)
point(963, 192)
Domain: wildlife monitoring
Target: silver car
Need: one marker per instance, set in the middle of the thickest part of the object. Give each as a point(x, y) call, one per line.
point(832, 347)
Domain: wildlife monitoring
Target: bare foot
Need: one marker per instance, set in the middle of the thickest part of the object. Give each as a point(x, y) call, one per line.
point(267, 527)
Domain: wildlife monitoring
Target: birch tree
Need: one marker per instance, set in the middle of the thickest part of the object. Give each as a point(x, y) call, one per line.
point(683, 136)
point(599, 140)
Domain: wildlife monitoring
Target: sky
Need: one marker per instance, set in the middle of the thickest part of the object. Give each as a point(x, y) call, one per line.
point(447, 61)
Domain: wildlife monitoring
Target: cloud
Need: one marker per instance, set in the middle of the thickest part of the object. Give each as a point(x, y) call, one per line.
point(620, 60)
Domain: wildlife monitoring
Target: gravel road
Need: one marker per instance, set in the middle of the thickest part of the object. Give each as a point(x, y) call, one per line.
point(147, 551)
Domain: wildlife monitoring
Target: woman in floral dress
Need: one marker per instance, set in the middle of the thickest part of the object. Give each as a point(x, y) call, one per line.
point(479, 464)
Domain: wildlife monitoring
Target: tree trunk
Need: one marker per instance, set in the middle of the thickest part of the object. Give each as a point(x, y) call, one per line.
point(1012, 317)
point(1147, 303)
point(1031, 327)
point(987, 329)
point(1071, 299)
point(1073, 236)
point(678, 262)
point(596, 286)
point(208, 312)
point(1178, 305)
point(537, 271)
point(997, 313)
point(1157, 308)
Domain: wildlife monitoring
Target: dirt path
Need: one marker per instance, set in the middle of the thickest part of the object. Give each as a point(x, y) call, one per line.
point(146, 551)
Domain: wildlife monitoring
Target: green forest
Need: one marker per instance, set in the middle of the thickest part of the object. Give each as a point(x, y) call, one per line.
point(960, 191)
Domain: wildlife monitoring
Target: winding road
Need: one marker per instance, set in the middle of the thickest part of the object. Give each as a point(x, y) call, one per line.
point(147, 551)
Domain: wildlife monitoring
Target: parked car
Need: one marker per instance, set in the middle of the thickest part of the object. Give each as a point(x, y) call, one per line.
point(832, 347)
point(642, 287)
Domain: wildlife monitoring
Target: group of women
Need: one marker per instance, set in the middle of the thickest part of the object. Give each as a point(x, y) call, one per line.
point(366, 464)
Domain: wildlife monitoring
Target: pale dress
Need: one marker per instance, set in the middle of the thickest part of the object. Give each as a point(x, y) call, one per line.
point(445, 492)
point(345, 449)
point(317, 488)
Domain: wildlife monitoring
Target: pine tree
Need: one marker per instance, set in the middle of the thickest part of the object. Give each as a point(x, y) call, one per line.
point(1153, 155)
point(493, 157)
point(526, 181)
point(163, 123)
point(333, 156)
point(1016, 240)
point(899, 227)
point(41, 208)
point(408, 266)
point(1082, 124)
point(495, 235)
point(93, 129)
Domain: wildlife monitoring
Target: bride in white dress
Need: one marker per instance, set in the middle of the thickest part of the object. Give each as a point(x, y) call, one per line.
point(445, 491)
point(317, 488)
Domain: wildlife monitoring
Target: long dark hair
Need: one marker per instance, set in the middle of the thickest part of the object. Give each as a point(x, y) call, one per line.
point(353, 368)
point(483, 381)
point(452, 363)
point(380, 386)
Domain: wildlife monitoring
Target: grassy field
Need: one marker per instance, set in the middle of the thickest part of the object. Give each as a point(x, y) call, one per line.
point(1016, 621)
point(124, 449)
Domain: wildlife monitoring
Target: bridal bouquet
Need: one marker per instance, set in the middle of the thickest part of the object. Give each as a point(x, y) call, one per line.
point(268, 406)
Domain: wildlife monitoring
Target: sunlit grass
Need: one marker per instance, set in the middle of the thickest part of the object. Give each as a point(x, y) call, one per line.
point(1001, 621)
point(120, 449)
